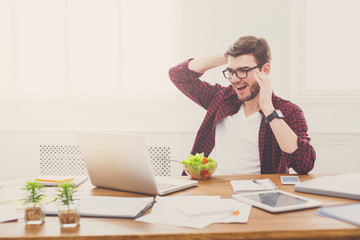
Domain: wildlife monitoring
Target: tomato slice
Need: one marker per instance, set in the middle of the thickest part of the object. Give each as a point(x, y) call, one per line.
point(204, 160)
point(205, 173)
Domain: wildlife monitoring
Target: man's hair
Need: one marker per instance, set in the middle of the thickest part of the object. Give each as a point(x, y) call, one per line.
point(251, 45)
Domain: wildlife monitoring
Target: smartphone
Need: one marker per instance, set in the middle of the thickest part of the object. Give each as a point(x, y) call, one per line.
point(289, 179)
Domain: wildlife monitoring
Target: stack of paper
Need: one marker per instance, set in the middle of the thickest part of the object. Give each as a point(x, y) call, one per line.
point(196, 211)
point(254, 185)
point(348, 212)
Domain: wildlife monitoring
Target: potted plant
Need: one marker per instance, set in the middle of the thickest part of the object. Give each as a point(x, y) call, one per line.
point(68, 210)
point(33, 205)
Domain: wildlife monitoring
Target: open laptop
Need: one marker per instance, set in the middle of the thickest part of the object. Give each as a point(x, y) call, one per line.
point(122, 162)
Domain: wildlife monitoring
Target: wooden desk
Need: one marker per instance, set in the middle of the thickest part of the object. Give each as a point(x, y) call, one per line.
point(302, 224)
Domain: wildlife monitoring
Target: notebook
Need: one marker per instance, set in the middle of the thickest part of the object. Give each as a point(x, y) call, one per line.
point(122, 162)
point(347, 212)
point(112, 207)
point(253, 185)
point(343, 185)
point(53, 181)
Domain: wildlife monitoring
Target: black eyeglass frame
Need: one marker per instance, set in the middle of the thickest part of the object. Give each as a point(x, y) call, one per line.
point(245, 70)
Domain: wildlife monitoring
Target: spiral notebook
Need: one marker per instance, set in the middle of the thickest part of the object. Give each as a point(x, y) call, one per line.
point(53, 181)
point(347, 212)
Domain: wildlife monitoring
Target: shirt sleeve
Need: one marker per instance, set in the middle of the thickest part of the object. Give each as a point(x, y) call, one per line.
point(188, 82)
point(303, 158)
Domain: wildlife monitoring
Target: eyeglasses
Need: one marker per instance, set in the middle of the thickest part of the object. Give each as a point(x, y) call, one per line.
point(240, 73)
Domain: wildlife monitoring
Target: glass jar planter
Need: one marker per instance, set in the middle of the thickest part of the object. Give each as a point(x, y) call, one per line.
point(69, 216)
point(34, 213)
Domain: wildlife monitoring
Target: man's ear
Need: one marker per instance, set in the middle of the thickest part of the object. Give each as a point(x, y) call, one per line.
point(266, 68)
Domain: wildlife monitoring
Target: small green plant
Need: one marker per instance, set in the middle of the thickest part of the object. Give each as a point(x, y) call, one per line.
point(66, 193)
point(34, 192)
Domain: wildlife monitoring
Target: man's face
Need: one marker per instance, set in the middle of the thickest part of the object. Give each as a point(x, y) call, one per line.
point(247, 88)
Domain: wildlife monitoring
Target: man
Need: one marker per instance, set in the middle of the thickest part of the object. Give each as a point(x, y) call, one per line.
point(247, 128)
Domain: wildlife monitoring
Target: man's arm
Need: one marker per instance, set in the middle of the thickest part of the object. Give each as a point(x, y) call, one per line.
point(291, 135)
point(201, 65)
point(303, 158)
point(185, 77)
point(284, 135)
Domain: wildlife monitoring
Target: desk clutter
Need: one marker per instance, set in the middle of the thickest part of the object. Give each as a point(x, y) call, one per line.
point(196, 211)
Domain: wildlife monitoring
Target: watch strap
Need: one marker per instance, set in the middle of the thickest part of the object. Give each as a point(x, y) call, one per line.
point(273, 115)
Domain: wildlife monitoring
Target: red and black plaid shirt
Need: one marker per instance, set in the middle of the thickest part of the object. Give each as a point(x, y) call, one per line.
point(221, 102)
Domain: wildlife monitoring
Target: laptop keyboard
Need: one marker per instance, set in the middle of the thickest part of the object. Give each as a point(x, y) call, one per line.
point(163, 186)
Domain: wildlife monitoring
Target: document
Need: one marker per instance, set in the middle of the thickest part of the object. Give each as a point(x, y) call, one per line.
point(347, 212)
point(240, 214)
point(102, 206)
point(196, 211)
point(253, 185)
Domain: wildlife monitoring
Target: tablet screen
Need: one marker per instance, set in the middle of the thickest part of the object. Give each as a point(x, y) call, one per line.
point(276, 199)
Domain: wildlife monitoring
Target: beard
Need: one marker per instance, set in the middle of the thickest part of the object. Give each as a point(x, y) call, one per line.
point(254, 91)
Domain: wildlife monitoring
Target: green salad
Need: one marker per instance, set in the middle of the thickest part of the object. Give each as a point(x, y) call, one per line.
point(199, 166)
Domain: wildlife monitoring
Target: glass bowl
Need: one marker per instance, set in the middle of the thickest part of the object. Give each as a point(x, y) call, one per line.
point(200, 172)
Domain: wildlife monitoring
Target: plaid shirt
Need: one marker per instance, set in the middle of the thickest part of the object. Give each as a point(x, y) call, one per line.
point(221, 102)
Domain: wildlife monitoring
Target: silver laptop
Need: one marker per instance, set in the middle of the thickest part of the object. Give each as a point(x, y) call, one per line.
point(122, 162)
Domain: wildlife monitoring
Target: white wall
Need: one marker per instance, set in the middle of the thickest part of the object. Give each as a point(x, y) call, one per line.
point(206, 27)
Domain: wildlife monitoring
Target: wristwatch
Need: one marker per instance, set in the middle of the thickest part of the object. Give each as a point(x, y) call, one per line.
point(274, 114)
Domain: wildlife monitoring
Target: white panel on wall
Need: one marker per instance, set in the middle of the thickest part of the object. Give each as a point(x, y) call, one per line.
point(5, 49)
point(148, 44)
point(336, 153)
point(93, 46)
point(40, 46)
point(188, 141)
point(331, 36)
point(18, 157)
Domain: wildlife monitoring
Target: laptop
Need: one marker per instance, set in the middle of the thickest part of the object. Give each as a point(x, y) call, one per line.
point(122, 162)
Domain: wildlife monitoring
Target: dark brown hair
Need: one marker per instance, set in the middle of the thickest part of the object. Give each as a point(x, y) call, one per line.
point(251, 45)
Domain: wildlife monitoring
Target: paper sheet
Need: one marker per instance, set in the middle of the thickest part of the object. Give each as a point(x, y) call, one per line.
point(8, 212)
point(166, 211)
point(240, 214)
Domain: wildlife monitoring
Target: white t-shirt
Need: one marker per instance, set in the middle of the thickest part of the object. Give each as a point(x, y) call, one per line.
point(237, 144)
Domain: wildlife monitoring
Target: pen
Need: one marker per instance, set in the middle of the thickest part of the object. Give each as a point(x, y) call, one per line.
point(145, 209)
point(255, 181)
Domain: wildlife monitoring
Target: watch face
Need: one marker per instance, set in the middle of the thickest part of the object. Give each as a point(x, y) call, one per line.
point(279, 113)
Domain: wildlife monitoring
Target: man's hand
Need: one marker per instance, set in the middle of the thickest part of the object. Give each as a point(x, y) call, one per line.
point(265, 98)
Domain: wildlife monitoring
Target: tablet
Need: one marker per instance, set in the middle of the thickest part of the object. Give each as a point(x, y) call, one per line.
point(277, 201)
